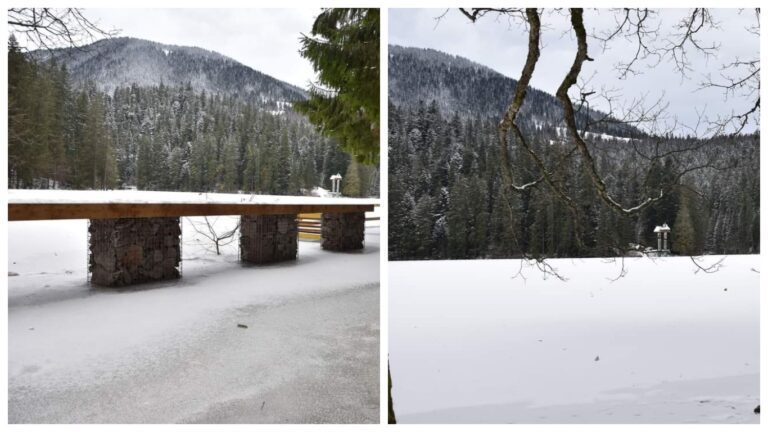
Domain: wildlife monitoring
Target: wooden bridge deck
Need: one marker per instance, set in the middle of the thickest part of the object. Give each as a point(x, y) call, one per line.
point(50, 205)
point(135, 237)
point(50, 211)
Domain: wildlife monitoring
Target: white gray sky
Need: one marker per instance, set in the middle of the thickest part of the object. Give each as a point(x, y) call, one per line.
point(502, 45)
point(264, 39)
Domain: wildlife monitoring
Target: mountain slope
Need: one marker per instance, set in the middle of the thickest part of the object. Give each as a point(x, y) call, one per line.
point(472, 90)
point(122, 62)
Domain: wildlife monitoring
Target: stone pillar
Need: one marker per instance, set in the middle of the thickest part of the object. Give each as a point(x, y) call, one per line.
point(268, 238)
point(129, 251)
point(343, 231)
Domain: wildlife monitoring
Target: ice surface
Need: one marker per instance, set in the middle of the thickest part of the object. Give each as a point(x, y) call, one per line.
point(470, 343)
point(172, 351)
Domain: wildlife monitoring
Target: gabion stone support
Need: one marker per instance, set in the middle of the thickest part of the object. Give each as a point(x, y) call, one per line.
point(268, 238)
point(343, 231)
point(129, 251)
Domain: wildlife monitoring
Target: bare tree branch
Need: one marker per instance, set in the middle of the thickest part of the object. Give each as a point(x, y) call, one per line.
point(208, 230)
point(577, 22)
point(51, 28)
point(712, 268)
point(655, 147)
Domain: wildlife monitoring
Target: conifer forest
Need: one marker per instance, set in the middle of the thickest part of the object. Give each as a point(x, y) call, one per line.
point(79, 130)
point(444, 177)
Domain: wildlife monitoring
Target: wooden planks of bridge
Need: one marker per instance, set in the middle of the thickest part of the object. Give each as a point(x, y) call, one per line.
point(310, 225)
point(53, 211)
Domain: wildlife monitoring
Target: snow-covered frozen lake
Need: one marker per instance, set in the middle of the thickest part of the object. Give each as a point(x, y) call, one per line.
point(664, 344)
point(173, 351)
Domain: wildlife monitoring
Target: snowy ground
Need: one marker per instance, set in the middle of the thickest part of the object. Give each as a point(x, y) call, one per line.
point(471, 344)
point(173, 351)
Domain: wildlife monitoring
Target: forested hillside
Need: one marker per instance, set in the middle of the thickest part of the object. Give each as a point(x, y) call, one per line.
point(122, 62)
point(471, 90)
point(80, 122)
point(444, 181)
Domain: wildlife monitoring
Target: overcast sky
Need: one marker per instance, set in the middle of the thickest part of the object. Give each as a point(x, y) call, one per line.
point(264, 39)
point(502, 45)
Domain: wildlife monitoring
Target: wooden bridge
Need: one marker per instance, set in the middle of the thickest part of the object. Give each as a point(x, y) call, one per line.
point(135, 236)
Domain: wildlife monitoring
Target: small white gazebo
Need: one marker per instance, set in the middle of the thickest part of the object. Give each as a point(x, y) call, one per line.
point(662, 235)
point(336, 184)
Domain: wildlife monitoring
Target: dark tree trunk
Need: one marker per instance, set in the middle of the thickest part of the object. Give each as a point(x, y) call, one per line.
point(392, 419)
